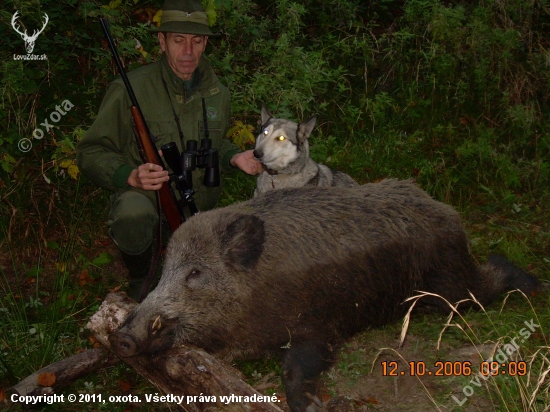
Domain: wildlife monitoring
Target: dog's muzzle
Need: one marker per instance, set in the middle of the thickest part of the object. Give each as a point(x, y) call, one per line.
point(258, 154)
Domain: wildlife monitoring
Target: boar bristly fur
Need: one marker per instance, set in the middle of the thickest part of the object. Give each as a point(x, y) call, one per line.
point(295, 272)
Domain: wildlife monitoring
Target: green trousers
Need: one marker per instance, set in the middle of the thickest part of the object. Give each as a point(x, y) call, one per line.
point(132, 221)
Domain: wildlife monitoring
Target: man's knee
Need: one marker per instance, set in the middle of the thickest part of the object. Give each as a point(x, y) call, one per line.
point(132, 220)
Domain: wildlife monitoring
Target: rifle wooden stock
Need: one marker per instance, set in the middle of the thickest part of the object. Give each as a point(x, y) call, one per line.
point(150, 154)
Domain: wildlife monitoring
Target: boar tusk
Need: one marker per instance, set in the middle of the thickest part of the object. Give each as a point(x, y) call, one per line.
point(157, 325)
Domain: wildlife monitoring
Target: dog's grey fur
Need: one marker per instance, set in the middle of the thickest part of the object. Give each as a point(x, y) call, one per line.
point(297, 271)
point(287, 162)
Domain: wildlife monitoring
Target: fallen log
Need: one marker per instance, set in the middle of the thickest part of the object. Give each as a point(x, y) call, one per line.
point(182, 371)
point(205, 383)
point(59, 374)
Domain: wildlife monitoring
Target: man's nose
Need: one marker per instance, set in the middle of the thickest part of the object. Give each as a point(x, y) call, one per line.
point(188, 47)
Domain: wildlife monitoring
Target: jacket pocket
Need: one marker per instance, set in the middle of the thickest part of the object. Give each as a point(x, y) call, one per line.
point(163, 132)
point(214, 131)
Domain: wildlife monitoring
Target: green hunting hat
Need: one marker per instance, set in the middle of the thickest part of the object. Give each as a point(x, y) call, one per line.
point(184, 16)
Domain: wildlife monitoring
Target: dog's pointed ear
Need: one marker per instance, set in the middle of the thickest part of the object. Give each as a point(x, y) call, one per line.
point(305, 129)
point(266, 114)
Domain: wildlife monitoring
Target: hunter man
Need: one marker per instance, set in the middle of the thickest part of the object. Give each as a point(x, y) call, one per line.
point(170, 93)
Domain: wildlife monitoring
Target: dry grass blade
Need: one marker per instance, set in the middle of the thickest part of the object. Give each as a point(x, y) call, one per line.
point(541, 381)
point(416, 298)
point(532, 309)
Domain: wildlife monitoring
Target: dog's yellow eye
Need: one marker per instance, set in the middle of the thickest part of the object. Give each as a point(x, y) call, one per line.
point(281, 138)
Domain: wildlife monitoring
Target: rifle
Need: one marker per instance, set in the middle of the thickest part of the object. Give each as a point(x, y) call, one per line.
point(166, 198)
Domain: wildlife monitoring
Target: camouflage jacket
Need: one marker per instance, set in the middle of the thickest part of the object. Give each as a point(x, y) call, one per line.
point(108, 152)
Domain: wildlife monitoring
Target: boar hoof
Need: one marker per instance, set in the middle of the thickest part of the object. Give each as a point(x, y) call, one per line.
point(302, 364)
point(304, 402)
point(316, 405)
point(123, 344)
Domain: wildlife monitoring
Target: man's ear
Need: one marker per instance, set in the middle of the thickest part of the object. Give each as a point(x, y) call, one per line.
point(162, 40)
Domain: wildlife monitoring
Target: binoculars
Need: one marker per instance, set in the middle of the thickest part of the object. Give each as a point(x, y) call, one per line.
point(183, 165)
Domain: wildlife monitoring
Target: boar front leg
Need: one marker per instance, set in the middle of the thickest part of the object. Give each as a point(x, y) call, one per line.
point(301, 366)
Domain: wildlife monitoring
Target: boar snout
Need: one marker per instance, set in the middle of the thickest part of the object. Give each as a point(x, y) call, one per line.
point(158, 335)
point(124, 344)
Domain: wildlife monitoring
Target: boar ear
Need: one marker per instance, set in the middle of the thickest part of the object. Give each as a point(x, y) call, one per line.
point(266, 114)
point(305, 129)
point(243, 242)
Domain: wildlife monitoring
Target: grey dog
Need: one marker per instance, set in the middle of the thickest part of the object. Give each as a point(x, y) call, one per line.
point(283, 148)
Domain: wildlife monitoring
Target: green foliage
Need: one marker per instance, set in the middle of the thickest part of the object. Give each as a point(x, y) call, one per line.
point(454, 95)
point(241, 134)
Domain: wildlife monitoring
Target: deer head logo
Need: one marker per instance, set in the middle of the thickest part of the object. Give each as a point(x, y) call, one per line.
point(29, 40)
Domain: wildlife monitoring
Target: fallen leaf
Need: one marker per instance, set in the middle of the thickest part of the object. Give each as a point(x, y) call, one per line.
point(46, 379)
point(124, 385)
point(325, 397)
point(84, 278)
point(372, 400)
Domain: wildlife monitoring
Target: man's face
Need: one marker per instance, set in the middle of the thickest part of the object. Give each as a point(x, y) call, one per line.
point(183, 52)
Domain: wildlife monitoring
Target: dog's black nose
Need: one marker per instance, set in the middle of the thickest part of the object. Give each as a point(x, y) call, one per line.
point(258, 154)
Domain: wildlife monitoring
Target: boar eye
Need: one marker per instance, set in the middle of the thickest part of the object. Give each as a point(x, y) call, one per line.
point(193, 274)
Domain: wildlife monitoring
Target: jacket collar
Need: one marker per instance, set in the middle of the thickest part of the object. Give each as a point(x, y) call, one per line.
point(203, 80)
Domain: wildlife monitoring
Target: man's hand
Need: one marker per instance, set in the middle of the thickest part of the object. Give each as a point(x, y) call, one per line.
point(247, 162)
point(148, 177)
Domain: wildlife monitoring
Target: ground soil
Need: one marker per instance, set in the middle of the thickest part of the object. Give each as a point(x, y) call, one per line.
point(358, 382)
